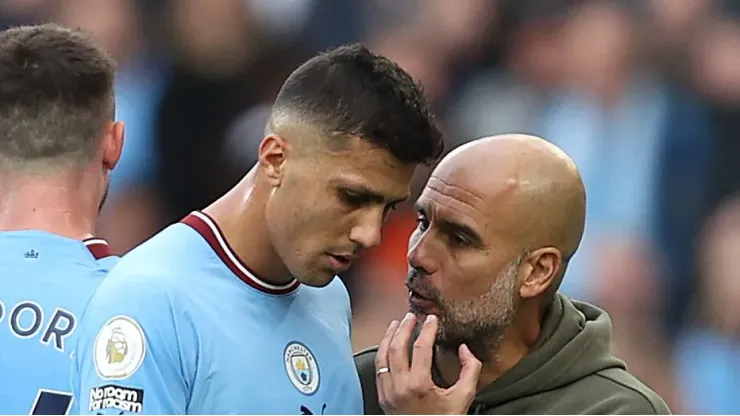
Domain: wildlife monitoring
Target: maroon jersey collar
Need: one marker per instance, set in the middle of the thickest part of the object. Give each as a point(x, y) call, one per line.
point(209, 230)
point(98, 247)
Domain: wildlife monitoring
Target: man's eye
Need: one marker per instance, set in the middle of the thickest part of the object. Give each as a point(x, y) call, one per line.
point(352, 198)
point(423, 222)
point(459, 240)
point(387, 210)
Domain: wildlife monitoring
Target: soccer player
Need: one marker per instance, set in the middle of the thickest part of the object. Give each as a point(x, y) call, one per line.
point(58, 144)
point(490, 333)
point(236, 309)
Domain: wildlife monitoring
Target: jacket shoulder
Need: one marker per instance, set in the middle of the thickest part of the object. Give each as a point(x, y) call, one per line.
point(365, 359)
point(628, 395)
point(365, 363)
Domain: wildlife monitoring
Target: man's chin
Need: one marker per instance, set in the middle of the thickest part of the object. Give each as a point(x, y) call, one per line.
point(419, 314)
point(424, 310)
point(320, 279)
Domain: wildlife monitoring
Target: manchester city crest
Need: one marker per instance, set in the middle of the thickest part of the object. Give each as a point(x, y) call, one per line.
point(301, 366)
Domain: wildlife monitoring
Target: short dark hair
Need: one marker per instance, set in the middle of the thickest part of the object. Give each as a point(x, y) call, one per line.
point(350, 91)
point(56, 94)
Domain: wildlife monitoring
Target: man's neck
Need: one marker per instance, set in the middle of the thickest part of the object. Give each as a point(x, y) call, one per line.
point(240, 216)
point(60, 204)
point(516, 344)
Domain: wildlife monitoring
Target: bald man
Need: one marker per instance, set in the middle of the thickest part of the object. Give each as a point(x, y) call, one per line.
point(487, 331)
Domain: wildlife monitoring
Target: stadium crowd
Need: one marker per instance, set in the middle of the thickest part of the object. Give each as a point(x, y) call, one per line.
point(643, 95)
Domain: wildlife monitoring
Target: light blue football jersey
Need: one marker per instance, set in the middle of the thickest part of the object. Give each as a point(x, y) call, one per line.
point(45, 282)
point(181, 326)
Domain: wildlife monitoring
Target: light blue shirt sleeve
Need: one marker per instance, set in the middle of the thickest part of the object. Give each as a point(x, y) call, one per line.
point(135, 353)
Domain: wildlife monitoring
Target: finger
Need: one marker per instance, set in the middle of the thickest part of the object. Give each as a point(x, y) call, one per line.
point(398, 351)
point(383, 381)
point(470, 368)
point(423, 354)
point(381, 357)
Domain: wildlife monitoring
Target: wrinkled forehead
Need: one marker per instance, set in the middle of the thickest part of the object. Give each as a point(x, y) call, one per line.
point(490, 203)
point(450, 201)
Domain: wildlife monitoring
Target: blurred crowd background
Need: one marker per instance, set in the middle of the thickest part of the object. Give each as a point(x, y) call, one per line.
point(643, 94)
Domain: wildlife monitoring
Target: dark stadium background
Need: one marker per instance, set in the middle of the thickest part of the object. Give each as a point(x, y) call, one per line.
point(643, 94)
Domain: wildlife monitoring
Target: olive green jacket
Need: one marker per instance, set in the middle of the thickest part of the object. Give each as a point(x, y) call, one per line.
point(569, 371)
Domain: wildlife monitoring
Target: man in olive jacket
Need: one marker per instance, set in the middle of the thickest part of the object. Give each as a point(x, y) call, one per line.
point(487, 332)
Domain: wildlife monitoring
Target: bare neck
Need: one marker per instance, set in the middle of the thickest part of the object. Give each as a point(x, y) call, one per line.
point(59, 203)
point(240, 214)
point(516, 344)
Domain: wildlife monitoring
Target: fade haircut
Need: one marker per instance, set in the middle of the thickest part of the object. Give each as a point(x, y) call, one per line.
point(351, 92)
point(56, 94)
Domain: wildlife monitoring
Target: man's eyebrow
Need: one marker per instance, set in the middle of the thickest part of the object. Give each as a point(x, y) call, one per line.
point(463, 229)
point(452, 226)
point(370, 194)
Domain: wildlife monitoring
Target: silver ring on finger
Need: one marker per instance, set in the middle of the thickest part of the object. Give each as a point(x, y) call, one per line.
point(382, 370)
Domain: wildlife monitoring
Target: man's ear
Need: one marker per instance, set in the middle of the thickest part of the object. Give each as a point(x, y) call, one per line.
point(544, 265)
point(113, 138)
point(272, 156)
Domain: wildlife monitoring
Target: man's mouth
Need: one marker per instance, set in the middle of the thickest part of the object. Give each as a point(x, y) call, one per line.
point(341, 262)
point(421, 303)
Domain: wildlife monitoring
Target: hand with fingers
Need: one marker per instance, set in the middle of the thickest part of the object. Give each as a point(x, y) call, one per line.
point(404, 389)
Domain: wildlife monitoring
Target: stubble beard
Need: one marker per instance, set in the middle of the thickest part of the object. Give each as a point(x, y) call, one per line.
point(479, 323)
